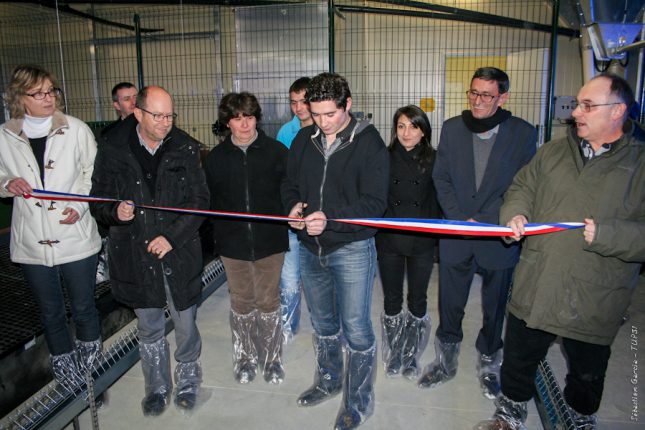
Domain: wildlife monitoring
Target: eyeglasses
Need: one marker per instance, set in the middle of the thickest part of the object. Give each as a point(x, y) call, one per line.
point(586, 106)
point(486, 98)
point(40, 95)
point(158, 117)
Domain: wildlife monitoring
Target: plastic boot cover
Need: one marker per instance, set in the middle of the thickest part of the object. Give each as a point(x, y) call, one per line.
point(583, 422)
point(358, 391)
point(444, 366)
point(66, 371)
point(269, 343)
point(328, 373)
point(290, 314)
point(89, 354)
point(245, 356)
point(415, 334)
point(287, 333)
point(188, 378)
point(155, 363)
point(393, 339)
point(509, 415)
point(488, 373)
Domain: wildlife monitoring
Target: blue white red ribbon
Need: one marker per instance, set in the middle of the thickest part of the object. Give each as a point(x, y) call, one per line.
point(438, 226)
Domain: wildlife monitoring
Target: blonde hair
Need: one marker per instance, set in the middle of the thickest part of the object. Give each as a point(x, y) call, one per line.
point(24, 78)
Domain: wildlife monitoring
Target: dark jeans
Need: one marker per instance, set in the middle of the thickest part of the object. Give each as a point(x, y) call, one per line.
point(393, 268)
point(80, 282)
point(338, 290)
point(454, 287)
point(525, 347)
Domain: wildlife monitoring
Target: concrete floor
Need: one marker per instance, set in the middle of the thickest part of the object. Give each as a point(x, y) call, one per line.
point(225, 404)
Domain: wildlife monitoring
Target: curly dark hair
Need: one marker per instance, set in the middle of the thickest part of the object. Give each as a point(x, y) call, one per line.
point(328, 86)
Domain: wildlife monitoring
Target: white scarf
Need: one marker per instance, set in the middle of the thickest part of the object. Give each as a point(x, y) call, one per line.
point(35, 127)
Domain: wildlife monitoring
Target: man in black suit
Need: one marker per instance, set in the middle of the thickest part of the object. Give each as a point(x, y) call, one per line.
point(479, 153)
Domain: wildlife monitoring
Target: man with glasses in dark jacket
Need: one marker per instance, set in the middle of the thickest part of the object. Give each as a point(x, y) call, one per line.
point(155, 256)
point(479, 153)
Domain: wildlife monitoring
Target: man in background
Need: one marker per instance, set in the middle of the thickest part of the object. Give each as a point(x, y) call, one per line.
point(124, 97)
point(290, 277)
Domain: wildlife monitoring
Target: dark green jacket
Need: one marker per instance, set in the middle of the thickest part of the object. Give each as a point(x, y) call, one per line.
point(563, 285)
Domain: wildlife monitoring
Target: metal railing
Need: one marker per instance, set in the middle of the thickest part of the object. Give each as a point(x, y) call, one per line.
point(56, 405)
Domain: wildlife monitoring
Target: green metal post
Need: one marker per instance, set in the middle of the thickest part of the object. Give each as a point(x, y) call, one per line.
point(551, 80)
point(137, 38)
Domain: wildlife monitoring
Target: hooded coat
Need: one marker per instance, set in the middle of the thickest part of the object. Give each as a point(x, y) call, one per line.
point(351, 182)
point(563, 285)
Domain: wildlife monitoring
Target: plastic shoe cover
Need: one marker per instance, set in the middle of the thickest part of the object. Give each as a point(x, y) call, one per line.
point(66, 371)
point(154, 404)
point(358, 394)
point(583, 422)
point(416, 333)
point(155, 364)
point(290, 313)
point(89, 354)
point(393, 339)
point(245, 356)
point(328, 373)
point(188, 378)
point(509, 415)
point(496, 424)
point(488, 373)
point(444, 366)
point(269, 341)
point(287, 333)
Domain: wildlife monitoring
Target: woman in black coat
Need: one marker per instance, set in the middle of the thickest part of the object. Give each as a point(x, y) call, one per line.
point(411, 195)
point(244, 174)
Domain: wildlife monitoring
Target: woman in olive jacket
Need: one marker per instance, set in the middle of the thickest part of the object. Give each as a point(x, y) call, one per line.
point(411, 195)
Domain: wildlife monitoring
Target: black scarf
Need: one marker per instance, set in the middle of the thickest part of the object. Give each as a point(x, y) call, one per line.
point(476, 125)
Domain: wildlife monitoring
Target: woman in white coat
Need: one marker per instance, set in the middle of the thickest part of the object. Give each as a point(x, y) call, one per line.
point(42, 148)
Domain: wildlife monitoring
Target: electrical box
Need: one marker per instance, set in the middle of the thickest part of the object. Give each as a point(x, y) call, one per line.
point(564, 106)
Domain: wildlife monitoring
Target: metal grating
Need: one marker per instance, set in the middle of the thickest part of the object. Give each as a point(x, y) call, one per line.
point(20, 314)
point(553, 410)
point(56, 405)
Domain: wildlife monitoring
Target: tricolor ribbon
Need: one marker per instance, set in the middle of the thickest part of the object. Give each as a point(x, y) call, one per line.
point(440, 226)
